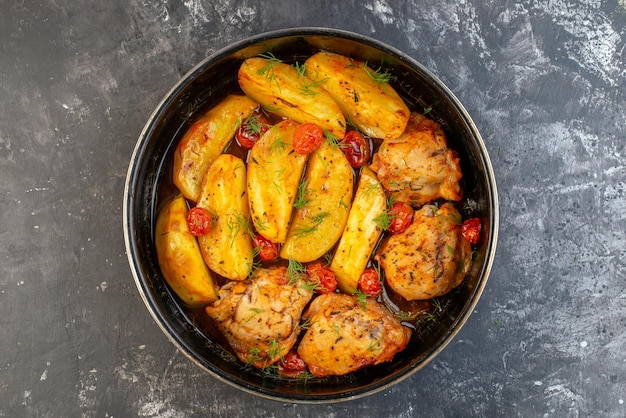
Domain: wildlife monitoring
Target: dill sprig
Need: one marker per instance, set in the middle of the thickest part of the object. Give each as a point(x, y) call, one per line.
point(275, 350)
point(255, 312)
point(429, 108)
point(268, 69)
point(301, 197)
point(306, 324)
point(361, 297)
point(252, 124)
point(436, 303)
point(295, 270)
point(278, 145)
point(333, 140)
point(374, 345)
point(279, 179)
point(379, 76)
point(255, 264)
point(238, 223)
point(316, 221)
point(311, 87)
point(371, 188)
point(300, 69)
point(383, 220)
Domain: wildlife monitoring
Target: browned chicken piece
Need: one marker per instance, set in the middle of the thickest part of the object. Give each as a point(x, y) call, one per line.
point(430, 258)
point(418, 167)
point(260, 317)
point(345, 335)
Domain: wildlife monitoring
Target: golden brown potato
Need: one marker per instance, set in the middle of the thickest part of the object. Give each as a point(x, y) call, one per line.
point(282, 90)
point(205, 140)
point(274, 172)
point(179, 256)
point(317, 225)
point(366, 99)
point(227, 248)
point(361, 233)
point(430, 258)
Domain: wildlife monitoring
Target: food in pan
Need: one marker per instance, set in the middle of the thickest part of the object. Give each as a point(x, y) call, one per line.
point(260, 317)
point(206, 140)
point(345, 335)
point(418, 167)
point(179, 255)
point(318, 195)
point(430, 257)
point(364, 95)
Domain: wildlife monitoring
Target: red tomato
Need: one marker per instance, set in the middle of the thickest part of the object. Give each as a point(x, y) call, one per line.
point(323, 276)
point(292, 364)
point(369, 283)
point(251, 130)
point(400, 216)
point(199, 221)
point(471, 230)
point(307, 138)
point(356, 148)
point(268, 250)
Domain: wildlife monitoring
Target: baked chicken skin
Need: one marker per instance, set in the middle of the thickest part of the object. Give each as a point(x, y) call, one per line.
point(430, 258)
point(418, 167)
point(260, 317)
point(345, 335)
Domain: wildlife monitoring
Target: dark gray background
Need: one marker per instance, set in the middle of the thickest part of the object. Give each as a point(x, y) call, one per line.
point(544, 81)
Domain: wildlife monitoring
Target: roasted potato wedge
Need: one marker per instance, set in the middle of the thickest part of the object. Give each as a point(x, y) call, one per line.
point(282, 90)
point(274, 172)
point(361, 233)
point(317, 225)
point(366, 99)
point(227, 248)
point(205, 140)
point(179, 256)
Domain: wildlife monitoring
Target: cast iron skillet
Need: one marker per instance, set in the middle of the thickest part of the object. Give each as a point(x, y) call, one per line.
point(148, 183)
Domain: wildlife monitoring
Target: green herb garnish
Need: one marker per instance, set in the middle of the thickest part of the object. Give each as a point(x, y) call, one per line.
point(268, 69)
point(316, 221)
point(301, 198)
point(379, 75)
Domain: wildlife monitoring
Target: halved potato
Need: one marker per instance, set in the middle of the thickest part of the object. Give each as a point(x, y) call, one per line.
point(365, 98)
point(317, 225)
point(227, 248)
point(205, 140)
point(274, 172)
point(281, 89)
point(179, 256)
point(361, 233)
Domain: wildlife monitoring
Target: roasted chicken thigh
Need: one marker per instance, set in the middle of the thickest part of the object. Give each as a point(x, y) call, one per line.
point(345, 335)
point(260, 316)
point(418, 167)
point(430, 258)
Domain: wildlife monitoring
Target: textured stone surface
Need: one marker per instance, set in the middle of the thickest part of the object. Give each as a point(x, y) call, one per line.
point(544, 80)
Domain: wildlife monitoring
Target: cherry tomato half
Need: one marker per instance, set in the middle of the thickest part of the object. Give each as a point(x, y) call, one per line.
point(251, 130)
point(268, 250)
point(307, 138)
point(471, 230)
point(322, 276)
point(199, 221)
point(369, 283)
point(356, 148)
point(401, 216)
point(292, 365)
